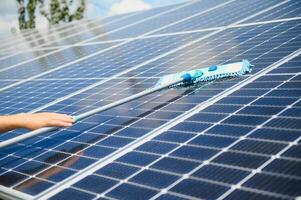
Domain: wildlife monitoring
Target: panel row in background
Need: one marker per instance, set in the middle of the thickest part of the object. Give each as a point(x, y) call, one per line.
point(149, 19)
point(97, 28)
point(236, 11)
point(131, 21)
point(82, 31)
point(78, 61)
point(181, 12)
point(34, 67)
point(48, 58)
point(164, 19)
point(29, 32)
point(34, 93)
point(12, 59)
point(66, 152)
point(212, 15)
point(261, 44)
point(36, 38)
point(247, 145)
point(40, 38)
point(184, 12)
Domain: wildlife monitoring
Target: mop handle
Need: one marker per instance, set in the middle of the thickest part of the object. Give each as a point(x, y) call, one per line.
point(184, 78)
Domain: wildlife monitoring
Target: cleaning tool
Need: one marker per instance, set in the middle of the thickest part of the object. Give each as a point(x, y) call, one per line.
point(185, 78)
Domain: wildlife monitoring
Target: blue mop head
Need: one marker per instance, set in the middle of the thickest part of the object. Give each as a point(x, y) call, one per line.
point(211, 73)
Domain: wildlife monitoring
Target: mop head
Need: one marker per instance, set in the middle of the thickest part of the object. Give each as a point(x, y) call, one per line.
point(211, 73)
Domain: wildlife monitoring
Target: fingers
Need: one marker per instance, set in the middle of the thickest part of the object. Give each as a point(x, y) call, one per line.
point(55, 119)
point(58, 123)
point(59, 117)
point(64, 118)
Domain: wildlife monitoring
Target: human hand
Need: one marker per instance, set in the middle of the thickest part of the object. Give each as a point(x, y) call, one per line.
point(39, 120)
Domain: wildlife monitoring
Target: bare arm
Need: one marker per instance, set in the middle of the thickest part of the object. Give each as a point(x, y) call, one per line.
point(33, 121)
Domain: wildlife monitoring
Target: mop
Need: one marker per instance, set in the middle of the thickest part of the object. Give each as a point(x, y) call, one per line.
point(181, 79)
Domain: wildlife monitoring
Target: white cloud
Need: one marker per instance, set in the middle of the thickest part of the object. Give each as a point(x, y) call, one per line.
point(125, 6)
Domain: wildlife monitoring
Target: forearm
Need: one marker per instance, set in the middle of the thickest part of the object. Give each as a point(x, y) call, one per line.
point(10, 122)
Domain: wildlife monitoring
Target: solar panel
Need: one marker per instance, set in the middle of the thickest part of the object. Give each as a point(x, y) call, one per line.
point(229, 139)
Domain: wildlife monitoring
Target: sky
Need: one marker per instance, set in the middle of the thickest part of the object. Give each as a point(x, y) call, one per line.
point(95, 8)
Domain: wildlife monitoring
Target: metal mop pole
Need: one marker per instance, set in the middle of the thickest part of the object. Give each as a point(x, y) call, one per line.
point(92, 112)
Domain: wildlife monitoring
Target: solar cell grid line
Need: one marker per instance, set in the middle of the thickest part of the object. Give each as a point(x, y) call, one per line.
point(263, 22)
point(289, 10)
point(234, 11)
point(181, 14)
point(276, 64)
point(207, 161)
point(291, 67)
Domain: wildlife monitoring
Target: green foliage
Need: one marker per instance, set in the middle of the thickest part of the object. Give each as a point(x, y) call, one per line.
point(30, 8)
point(59, 12)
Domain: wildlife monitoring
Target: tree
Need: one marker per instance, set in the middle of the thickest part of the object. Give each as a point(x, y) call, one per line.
point(30, 8)
point(59, 12)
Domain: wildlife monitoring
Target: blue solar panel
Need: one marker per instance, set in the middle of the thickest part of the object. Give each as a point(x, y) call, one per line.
point(228, 139)
point(37, 38)
point(234, 11)
point(19, 57)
